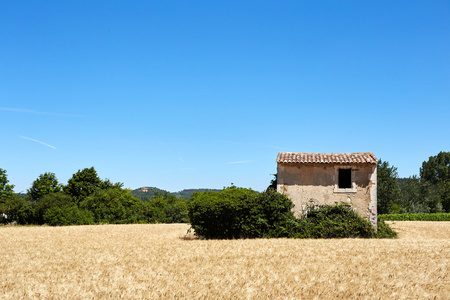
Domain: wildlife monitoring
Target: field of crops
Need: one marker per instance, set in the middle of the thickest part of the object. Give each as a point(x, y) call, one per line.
point(155, 262)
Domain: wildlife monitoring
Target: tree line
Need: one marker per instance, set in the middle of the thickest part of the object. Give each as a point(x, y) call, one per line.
point(427, 193)
point(85, 199)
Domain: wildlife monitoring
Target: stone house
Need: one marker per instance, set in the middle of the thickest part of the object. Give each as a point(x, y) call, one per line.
point(329, 178)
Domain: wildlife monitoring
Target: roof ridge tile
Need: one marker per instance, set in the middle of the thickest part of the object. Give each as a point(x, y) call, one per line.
point(327, 158)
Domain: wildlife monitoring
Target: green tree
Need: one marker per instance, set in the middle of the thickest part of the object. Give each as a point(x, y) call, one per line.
point(411, 196)
point(273, 182)
point(437, 168)
point(107, 184)
point(113, 206)
point(83, 183)
point(165, 208)
point(68, 215)
point(15, 209)
point(45, 184)
point(388, 190)
point(6, 189)
point(48, 202)
point(436, 171)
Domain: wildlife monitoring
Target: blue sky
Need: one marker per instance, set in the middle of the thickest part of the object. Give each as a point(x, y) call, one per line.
point(202, 94)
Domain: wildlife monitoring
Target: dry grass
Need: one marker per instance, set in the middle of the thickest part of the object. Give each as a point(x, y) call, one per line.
point(154, 262)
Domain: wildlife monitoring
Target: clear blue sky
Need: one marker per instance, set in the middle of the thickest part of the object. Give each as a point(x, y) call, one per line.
point(202, 94)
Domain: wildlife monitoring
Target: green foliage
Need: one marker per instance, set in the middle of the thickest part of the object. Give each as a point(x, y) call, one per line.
point(416, 217)
point(50, 202)
point(107, 184)
point(113, 206)
point(68, 215)
point(45, 184)
point(6, 189)
point(437, 168)
point(165, 208)
point(14, 209)
point(150, 192)
point(187, 193)
point(443, 190)
point(83, 183)
point(239, 213)
point(216, 214)
point(417, 196)
point(411, 198)
point(270, 215)
point(384, 231)
point(273, 182)
point(388, 190)
point(243, 213)
point(436, 171)
point(340, 221)
point(429, 193)
point(153, 192)
point(334, 221)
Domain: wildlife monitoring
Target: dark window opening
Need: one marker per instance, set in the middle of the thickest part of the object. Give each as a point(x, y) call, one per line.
point(345, 178)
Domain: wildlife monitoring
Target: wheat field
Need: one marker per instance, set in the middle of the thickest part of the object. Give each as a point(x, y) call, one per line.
point(161, 262)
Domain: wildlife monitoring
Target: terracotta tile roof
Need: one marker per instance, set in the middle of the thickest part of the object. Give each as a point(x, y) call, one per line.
point(327, 158)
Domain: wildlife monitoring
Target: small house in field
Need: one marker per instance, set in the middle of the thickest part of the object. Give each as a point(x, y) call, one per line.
point(310, 179)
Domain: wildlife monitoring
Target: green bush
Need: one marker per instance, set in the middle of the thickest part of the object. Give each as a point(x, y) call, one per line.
point(340, 221)
point(218, 214)
point(14, 209)
point(334, 221)
point(165, 208)
point(384, 231)
point(271, 215)
point(239, 213)
point(243, 213)
point(68, 215)
point(49, 201)
point(113, 206)
point(416, 217)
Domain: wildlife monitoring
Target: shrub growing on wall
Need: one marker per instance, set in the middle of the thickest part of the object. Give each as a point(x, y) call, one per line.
point(243, 213)
point(334, 221)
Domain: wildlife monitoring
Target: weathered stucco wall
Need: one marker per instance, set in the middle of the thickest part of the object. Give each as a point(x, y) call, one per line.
point(307, 184)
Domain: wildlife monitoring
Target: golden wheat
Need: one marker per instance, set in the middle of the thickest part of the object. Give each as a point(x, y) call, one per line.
point(156, 262)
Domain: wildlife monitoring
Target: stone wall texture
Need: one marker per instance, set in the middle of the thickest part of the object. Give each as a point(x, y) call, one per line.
point(315, 184)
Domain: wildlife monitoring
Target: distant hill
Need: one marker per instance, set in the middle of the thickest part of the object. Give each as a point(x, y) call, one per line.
point(150, 192)
point(187, 193)
point(147, 192)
